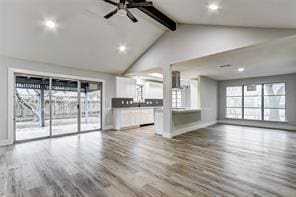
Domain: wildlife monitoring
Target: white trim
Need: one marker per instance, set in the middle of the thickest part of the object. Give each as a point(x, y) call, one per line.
point(167, 100)
point(107, 127)
point(266, 124)
point(10, 106)
point(5, 142)
point(192, 128)
point(11, 89)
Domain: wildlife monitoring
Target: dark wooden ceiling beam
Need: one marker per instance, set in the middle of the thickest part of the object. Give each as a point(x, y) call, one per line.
point(157, 15)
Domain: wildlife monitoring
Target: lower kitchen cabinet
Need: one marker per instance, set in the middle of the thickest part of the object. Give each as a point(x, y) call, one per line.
point(132, 117)
point(146, 115)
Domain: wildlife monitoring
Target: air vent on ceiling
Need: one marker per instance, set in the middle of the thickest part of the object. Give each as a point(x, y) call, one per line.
point(224, 66)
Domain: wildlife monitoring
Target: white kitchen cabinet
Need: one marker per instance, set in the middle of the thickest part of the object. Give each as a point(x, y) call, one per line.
point(153, 90)
point(132, 117)
point(126, 87)
point(146, 116)
point(125, 118)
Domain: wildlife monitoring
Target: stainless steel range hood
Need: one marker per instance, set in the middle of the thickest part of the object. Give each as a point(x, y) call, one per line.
point(176, 80)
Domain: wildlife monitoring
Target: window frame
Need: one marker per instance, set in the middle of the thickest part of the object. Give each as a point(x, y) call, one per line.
point(262, 102)
point(242, 100)
point(175, 100)
point(260, 108)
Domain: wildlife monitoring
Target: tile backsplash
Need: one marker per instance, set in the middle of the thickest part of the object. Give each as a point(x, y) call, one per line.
point(129, 102)
point(124, 102)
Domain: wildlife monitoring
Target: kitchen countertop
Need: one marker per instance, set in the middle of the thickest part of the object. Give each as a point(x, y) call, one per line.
point(136, 107)
point(183, 110)
point(186, 110)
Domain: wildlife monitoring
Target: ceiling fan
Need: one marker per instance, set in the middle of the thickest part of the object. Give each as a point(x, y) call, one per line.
point(123, 6)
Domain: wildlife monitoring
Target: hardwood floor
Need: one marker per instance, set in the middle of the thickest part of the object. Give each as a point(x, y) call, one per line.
point(221, 160)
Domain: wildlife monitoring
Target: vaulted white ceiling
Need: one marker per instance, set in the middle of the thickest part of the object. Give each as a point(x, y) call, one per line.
point(84, 39)
point(248, 13)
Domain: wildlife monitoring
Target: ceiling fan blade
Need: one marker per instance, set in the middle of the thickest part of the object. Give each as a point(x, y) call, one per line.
point(139, 4)
point(110, 14)
point(131, 16)
point(111, 2)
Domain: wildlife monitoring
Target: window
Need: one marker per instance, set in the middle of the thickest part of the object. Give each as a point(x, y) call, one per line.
point(234, 102)
point(257, 102)
point(139, 93)
point(253, 102)
point(176, 98)
point(275, 102)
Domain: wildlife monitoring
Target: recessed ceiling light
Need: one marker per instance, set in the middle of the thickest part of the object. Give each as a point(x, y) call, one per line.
point(213, 6)
point(122, 48)
point(50, 24)
point(241, 70)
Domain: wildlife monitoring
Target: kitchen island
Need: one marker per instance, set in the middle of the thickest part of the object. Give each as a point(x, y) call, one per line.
point(183, 120)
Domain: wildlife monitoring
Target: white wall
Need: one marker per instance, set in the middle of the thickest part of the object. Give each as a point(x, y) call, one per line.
point(193, 41)
point(6, 62)
point(290, 100)
point(194, 94)
point(208, 99)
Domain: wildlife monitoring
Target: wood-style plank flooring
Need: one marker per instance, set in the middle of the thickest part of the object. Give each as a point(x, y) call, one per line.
point(221, 160)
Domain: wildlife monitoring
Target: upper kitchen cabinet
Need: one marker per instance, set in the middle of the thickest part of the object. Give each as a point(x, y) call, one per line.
point(152, 90)
point(126, 87)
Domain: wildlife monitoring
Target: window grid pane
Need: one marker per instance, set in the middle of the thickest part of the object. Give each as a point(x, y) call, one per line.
point(234, 102)
point(176, 99)
point(275, 102)
point(275, 114)
point(234, 91)
point(234, 113)
point(274, 89)
point(252, 113)
point(253, 102)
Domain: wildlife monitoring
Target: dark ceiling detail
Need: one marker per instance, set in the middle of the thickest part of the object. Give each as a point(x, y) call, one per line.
point(156, 15)
point(123, 8)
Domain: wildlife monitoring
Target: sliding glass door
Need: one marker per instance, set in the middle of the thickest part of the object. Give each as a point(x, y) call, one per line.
point(32, 107)
point(91, 107)
point(64, 106)
point(46, 107)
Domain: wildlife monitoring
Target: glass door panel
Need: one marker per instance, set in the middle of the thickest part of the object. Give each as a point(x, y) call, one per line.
point(31, 107)
point(90, 106)
point(64, 107)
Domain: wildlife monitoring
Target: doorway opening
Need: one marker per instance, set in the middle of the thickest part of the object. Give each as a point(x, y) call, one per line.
point(47, 107)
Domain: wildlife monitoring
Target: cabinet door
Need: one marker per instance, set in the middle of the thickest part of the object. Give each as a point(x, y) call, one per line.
point(147, 116)
point(135, 117)
point(125, 119)
point(153, 90)
point(125, 87)
point(132, 88)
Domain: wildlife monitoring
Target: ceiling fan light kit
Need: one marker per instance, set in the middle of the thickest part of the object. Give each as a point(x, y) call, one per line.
point(123, 6)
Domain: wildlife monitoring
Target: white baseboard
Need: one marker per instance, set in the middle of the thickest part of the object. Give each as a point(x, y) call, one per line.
point(270, 125)
point(192, 128)
point(5, 142)
point(108, 127)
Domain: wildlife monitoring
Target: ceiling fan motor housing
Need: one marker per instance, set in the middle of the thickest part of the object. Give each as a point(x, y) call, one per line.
point(122, 9)
point(122, 6)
